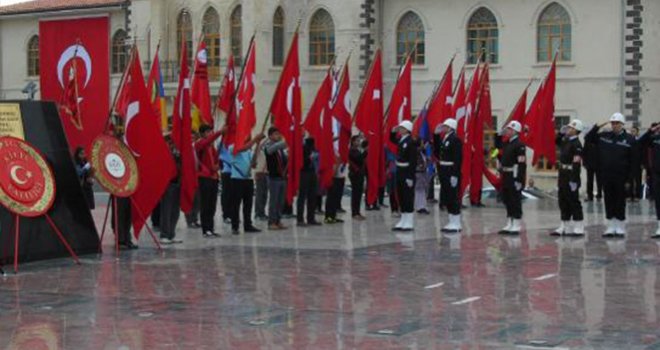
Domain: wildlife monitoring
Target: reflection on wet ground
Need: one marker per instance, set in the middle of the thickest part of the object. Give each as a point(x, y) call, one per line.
point(353, 285)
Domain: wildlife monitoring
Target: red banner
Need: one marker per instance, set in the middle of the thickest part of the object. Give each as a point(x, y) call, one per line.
point(77, 47)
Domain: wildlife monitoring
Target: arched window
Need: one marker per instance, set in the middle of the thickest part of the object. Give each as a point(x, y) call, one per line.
point(482, 37)
point(278, 37)
point(119, 52)
point(409, 37)
point(211, 30)
point(184, 32)
point(236, 33)
point(554, 34)
point(33, 56)
point(321, 39)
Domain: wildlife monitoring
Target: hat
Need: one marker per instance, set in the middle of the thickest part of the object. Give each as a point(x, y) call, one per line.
point(515, 126)
point(406, 124)
point(617, 118)
point(450, 123)
point(577, 125)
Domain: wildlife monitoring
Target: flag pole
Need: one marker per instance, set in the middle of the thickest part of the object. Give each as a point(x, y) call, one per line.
point(77, 122)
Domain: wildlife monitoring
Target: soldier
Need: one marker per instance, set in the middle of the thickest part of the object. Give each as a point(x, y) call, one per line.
point(357, 173)
point(651, 141)
point(570, 164)
point(513, 170)
point(617, 159)
point(449, 151)
point(405, 173)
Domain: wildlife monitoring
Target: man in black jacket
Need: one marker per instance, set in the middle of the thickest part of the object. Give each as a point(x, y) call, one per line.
point(449, 152)
point(513, 170)
point(308, 185)
point(616, 159)
point(405, 173)
point(651, 142)
point(357, 172)
point(570, 164)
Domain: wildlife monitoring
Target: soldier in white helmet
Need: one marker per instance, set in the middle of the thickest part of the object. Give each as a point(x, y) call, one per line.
point(514, 171)
point(617, 160)
point(406, 163)
point(570, 166)
point(449, 151)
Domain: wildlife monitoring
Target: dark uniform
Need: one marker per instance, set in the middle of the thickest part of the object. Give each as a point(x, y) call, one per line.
point(406, 162)
point(651, 142)
point(514, 171)
point(616, 161)
point(357, 171)
point(570, 166)
point(308, 184)
point(449, 151)
point(590, 160)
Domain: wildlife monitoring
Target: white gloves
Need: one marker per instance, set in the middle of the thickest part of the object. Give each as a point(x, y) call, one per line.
point(409, 183)
point(453, 181)
point(87, 166)
point(518, 186)
point(573, 186)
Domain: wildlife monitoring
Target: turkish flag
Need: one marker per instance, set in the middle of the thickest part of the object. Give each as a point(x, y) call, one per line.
point(63, 42)
point(226, 101)
point(400, 104)
point(143, 137)
point(341, 111)
point(544, 127)
point(440, 107)
point(200, 92)
point(464, 129)
point(286, 110)
point(182, 135)
point(532, 115)
point(319, 126)
point(245, 108)
point(369, 120)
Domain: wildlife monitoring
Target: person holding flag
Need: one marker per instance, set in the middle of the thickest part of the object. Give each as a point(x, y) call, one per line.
point(406, 163)
point(514, 171)
point(357, 158)
point(209, 166)
point(449, 152)
point(241, 185)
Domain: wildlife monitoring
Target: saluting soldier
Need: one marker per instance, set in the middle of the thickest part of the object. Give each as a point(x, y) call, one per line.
point(570, 166)
point(617, 159)
point(405, 173)
point(449, 151)
point(513, 170)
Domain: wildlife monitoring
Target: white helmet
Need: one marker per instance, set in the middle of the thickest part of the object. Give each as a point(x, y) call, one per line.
point(406, 124)
point(577, 125)
point(450, 123)
point(515, 126)
point(617, 118)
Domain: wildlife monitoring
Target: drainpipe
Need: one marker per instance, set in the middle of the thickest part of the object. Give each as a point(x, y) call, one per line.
point(622, 78)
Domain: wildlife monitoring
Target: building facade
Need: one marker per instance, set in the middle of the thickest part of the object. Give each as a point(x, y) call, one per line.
point(606, 48)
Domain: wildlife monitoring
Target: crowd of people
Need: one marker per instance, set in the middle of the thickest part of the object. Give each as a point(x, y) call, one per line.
point(253, 180)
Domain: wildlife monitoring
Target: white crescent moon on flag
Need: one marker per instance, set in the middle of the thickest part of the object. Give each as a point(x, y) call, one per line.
point(289, 96)
point(132, 110)
point(67, 55)
point(347, 101)
point(401, 109)
point(14, 177)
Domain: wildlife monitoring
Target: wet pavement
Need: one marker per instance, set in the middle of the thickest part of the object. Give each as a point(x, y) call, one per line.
point(351, 285)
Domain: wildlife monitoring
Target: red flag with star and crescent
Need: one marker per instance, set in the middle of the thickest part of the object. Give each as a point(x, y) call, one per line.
point(244, 104)
point(143, 137)
point(400, 108)
point(73, 44)
point(286, 110)
point(341, 111)
point(369, 120)
point(182, 134)
point(226, 101)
